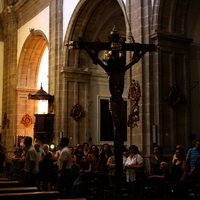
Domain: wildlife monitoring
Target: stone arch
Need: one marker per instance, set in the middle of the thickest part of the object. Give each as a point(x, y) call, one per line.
point(28, 68)
point(170, 16)
point(30, 59)
point(92, 19)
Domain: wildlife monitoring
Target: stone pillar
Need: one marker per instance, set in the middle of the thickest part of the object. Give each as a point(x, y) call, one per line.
point(139, 29)
point(171, 67)
point(55, 63)
point(9, 79)
point(76, 89)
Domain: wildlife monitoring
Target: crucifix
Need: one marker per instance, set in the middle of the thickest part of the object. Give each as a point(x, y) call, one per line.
point(115, 67)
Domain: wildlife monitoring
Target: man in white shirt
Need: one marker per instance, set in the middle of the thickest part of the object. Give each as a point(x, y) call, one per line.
point(64, 166)
point(31, 166)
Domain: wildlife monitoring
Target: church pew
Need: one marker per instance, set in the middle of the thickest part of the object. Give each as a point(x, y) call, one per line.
point(72, 199)
point(4, 179)
point(30, 195)
point(7, 184)
point(184, 188)
point(170, 188)
point(18, 189)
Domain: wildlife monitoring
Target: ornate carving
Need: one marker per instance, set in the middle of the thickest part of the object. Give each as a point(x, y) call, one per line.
point(27, 120)
point(134, 95)
point(174, 96)
point(77, 112)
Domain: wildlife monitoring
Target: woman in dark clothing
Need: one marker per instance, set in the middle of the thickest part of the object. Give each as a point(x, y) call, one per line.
point(104, 155)
point(80, 186)
point(17, 165)
point(93, 158)
point(78, 154)
point(46, 168)
point(179, 170)
point(103, 168)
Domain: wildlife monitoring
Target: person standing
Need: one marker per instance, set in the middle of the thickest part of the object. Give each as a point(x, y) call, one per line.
point(17, 165)
point(64, 169)
point(133, 164)
point(179, 170)
point(39, 152)
point(46, 168)
point(31, 166)
point(155, 161)
point(193, 154)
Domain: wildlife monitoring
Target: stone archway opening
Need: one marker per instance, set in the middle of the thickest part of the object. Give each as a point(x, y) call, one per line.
point(33, 58)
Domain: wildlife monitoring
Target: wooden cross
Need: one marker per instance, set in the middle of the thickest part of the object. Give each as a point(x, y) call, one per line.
point(115, 69)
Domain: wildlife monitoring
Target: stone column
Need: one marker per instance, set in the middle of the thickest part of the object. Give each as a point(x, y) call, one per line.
point(55, 63)
point(10, 25)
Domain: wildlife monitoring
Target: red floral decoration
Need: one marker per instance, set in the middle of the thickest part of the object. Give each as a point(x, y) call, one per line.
point(27, 120)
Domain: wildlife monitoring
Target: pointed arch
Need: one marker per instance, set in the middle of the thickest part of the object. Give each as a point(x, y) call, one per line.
point(170, 16)
point(92, 19)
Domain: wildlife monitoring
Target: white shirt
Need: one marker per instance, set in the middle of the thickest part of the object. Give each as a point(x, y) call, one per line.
point(65, 154)
point(31, 155)
point(132, 160)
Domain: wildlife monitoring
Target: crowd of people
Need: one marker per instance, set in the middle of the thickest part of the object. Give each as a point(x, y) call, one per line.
point(71, 170)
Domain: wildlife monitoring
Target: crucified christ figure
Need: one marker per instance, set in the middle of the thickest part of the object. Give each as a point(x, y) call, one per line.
point(116, 69)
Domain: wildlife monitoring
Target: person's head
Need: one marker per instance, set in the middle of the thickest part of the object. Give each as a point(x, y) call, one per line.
point(179, 146)
point(18, 152)
point(157, 150)
point(27, 141)
point(46, 148)
point(37, 146)
point(164, 166)
point(79, 149)
point(94, 149)
point(84, 159)
point(71, 149)
point(86, 146)
point(198, 145)
point(112, 149)
point(64, 142)
point(133, 149)
point(105, 148)
point(180, 153)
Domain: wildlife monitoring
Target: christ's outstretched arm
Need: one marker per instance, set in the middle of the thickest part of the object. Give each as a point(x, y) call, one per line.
point(135, 60)
point(95, 59)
